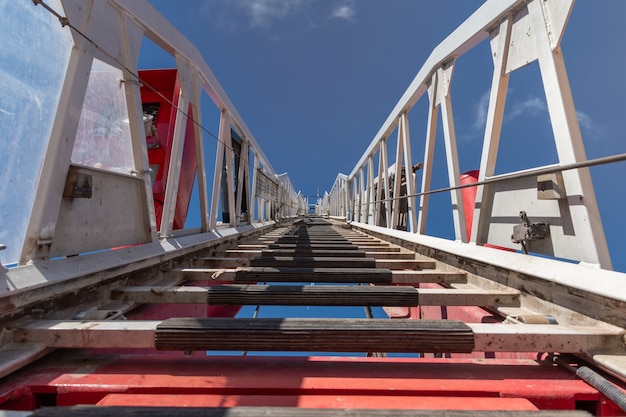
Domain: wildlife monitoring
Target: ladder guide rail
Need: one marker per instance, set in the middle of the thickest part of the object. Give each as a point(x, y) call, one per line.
point(380, 191)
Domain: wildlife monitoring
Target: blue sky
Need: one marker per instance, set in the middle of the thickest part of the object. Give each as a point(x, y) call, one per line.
point(315, 79)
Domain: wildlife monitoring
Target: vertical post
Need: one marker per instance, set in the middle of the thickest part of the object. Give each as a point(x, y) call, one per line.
point(131, 44)
point(241, 175)
point(178, 142)
point(371, 195)
point(219, 160)
point(200, 159)
point(386, 185)
point(230, 179)
point(408, 170)
point(569, 144)
point(429, 152)
point(382, 183)
point(397, 188)
point(353, 182)
point(55, 166)
point(445, 75)
point(253, 197)
point(361, 192)
point(500, 40)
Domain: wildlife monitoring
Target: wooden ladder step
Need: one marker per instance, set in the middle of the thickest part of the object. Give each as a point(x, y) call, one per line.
point(318, 295)
point(318, 335)
point(335, 275)
point(152, 411)
point(286, 295)
point(487, 337)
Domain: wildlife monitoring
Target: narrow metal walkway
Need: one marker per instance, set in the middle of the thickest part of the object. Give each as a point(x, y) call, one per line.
point(356, 278)
point(310, 262)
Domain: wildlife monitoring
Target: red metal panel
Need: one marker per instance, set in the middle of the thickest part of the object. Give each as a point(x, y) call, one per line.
point(320, 401)
point(79, 380)
point(166, 84)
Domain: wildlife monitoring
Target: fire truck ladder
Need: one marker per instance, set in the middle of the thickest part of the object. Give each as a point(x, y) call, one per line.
point(110, 307)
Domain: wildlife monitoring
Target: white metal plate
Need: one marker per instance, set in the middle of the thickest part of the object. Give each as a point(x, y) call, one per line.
point(115, 215)
point(513, 196)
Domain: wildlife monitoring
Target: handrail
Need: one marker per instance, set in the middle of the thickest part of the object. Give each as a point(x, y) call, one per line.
point(519, 33)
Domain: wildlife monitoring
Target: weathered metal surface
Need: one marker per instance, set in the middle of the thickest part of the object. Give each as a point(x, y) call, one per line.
point(587, 303)
point(331, 335)
point(338, 275)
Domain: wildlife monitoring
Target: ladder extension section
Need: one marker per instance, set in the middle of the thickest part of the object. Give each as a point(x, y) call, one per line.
point(238, 287)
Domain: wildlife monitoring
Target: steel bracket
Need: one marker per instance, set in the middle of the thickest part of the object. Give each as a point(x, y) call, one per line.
point(529, 231)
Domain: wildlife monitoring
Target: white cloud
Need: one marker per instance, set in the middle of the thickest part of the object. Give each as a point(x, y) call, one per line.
point(589, 128)
point(264, 12)
point(584, 120)
point(532, 106)
point(346, 11)
point(480, 111)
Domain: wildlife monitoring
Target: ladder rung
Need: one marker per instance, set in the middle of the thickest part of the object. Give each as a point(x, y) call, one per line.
point(268, 274)
point(294, 262)
point(314, 261)
point(309, 239)
point(468, 297)
point(405, 264)
point(336, 275)
point(273, 295)
point(260, 252)
point(392, 255)
point(319, 335)
point(368, 249)
point(335, 246)
point(318, 295)
point(486, 337)
point(302, 252)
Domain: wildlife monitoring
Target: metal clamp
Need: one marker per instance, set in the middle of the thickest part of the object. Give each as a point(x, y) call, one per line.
point(528, 231)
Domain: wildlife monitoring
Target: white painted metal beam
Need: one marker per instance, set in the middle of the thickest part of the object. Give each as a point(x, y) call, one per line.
point(137, 334)
point(163, 33)
point(185, 77)
point(429, 152)
point(55, 166)
point(500, 40)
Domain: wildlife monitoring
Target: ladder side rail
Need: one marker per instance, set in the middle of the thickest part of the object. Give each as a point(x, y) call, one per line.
point(533, 32)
